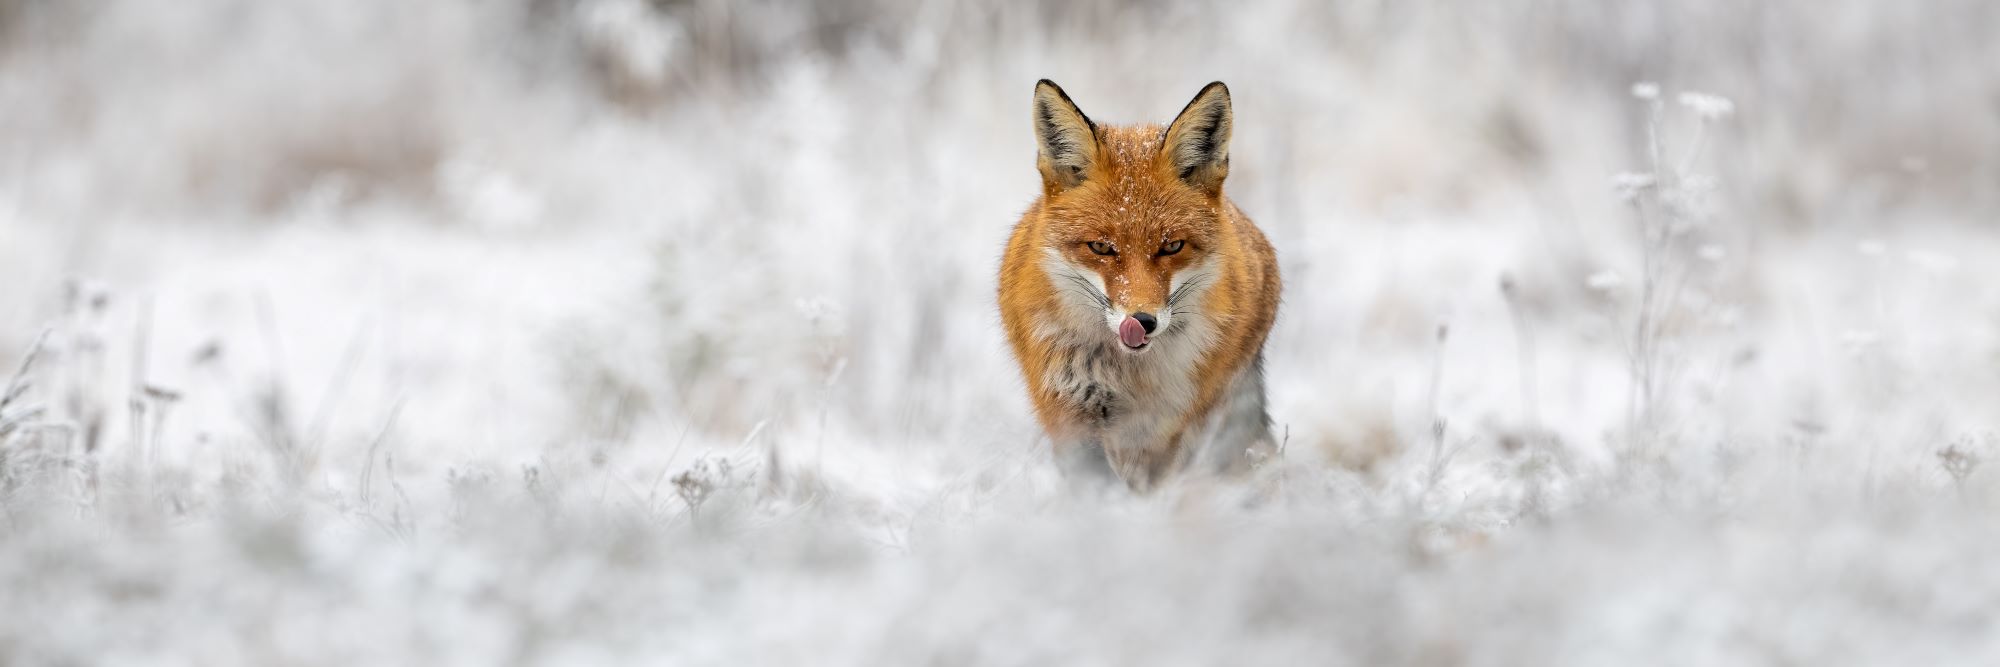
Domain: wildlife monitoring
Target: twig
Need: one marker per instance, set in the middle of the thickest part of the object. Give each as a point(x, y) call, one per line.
point(1437, 425)
point(1524, 345)
point(381, 436)
point(136, 400)
point(336, 389)
point(19, 384)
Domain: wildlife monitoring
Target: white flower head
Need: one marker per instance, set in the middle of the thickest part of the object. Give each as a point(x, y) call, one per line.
point(1630, 184)
point(1646, 90)
point(814, 308)
point(1708, 107)
point(1935, 263)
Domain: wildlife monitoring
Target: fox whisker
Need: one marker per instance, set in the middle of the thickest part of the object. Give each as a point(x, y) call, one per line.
point(1184, 290)
point(1096, 300)
point(1088, 295)
point(1088, 290)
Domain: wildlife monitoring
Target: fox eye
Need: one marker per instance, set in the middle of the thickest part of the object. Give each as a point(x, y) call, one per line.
point(1172, 247)
point(1102, 248)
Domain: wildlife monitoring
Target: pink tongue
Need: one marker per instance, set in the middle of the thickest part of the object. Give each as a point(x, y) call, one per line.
point(1132, 333)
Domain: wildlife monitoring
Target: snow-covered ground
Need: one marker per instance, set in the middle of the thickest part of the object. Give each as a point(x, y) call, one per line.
point(614, 332)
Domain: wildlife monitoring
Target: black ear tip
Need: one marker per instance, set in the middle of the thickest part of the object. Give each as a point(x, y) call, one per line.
point(1045, 83)
point(1215, 87)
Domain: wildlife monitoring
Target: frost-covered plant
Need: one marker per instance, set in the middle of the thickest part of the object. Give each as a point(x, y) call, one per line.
point(1960, 459)
point(1668, 201)
point(701, 481)
point(18, 417)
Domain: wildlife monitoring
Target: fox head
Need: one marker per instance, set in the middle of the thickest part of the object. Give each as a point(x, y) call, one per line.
point(1132, 214)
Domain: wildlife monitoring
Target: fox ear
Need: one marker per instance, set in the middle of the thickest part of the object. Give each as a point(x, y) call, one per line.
point(1065, 139)
point(1197, 143)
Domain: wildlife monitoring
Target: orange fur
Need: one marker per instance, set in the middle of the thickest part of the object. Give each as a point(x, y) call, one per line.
point(1137, 189)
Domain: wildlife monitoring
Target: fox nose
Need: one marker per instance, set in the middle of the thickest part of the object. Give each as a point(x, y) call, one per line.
point(1146, 320)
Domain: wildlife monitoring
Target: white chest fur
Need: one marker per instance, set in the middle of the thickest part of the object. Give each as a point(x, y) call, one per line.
point(1124, 399)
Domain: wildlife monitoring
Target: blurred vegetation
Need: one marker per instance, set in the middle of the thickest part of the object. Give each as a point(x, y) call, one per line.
point(1850, 105)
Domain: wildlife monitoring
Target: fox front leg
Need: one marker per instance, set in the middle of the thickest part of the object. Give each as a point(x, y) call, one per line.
point(1083, 463)
point(1142, 468)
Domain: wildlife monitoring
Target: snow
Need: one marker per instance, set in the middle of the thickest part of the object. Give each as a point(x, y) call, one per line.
point(622, 332)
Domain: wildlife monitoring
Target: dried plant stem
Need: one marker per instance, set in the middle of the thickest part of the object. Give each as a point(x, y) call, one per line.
point(1639, 405)
point(136, 402)
point(1524, 350)
point(1437, 425)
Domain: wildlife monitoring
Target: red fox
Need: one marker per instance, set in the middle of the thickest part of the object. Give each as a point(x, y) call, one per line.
point(1137, 297)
